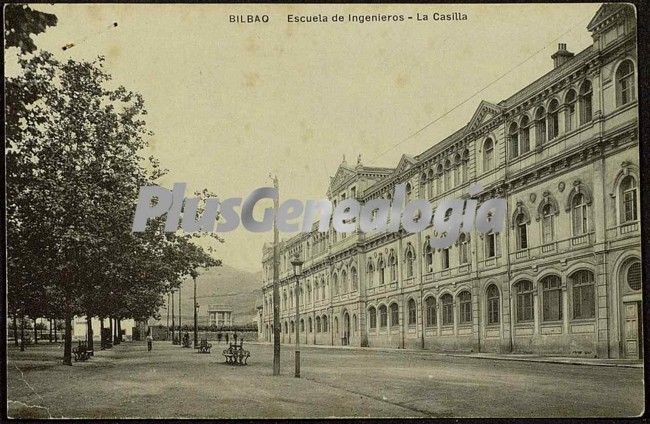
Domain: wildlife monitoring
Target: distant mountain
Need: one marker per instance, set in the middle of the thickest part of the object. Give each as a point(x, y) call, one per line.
point(223, 285)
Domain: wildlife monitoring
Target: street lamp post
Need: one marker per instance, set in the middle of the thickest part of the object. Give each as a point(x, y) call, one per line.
point(297, 270)
point(196, 322)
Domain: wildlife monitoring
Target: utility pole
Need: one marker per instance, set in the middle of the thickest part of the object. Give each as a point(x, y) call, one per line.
point(179, 311)
point(276, 283)
point(173, 324)
point(297, 271)
point(167, 334)
point(196, 322)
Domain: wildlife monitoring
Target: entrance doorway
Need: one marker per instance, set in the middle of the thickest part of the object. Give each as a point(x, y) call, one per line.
point(633, 330)
point(346, 329)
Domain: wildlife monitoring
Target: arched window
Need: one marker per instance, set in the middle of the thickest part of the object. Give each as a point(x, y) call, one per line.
point(428, 255)
point(628, 202)
point(302, 325)
point(465, 307)
point(540, 126)
point(447, 175)
point(345, 284)
point(513, 136)
point(381, 267)
point(463, 251)
point(409, 192)
point(335, 284)
point(430, 178)
point(372, 317)
point(524, 291)
point(440, 172)
point(444, 258)
point(584, 294)
point(488, 155)
point(447, 309)
point(551, 298)
point(325, 326)
point(316, 291)
point(464, 166)
point(492, 295)
point(431, 311)
point(383, 316)
point(394, 315)
point(491, 244)
point(412, 312)
point(370, 272)
point(393, 267)
point(633, 276)
point(524, 135)
point(625, 83)
point(553, 119)
point(456, 165)
point(354, 279)
point(318, 327)
point(410, 259)
point(311, 327)
point(323, 289)
point(548, 227)
point(579, 214)
point(286, 327)
point(522, 231)
point(570, 110)
point(308, 292)
point(293, 328)
point(585, 102)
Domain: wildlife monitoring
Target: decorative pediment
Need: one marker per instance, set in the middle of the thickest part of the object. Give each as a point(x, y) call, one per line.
point(406, 162)
point(547, 199)
point(483, 113)
point(342, 174)
point(520, 209)
point(606, 11)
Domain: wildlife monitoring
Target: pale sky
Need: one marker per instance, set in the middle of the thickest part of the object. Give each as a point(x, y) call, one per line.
point(229, 103)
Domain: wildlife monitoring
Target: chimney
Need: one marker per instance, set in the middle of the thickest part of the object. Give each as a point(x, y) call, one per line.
point(561, 56)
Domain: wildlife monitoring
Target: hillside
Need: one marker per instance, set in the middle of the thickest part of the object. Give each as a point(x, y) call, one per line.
point(224, 285)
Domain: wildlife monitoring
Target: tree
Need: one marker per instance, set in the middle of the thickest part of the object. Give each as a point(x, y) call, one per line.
point(73, 175)
point(21, 22)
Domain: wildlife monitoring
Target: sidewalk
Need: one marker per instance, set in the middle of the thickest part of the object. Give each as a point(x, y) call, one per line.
point(523, 357)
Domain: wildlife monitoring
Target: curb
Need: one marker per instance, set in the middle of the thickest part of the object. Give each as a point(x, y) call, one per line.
point(566, 361)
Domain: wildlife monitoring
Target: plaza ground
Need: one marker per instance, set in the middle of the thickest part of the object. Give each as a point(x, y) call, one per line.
point(127, 381)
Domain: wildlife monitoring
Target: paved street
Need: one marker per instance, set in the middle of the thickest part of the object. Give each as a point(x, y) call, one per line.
point(127, 381)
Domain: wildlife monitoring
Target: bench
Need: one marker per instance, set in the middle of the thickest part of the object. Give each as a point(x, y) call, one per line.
point(81, 352)
point(203, 347)
point(236, 354)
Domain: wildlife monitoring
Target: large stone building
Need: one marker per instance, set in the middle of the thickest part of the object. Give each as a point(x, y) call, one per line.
point(564, 275)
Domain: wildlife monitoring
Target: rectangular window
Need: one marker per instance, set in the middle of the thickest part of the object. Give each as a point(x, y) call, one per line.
point(394, 317)
point(525, 306)
point(431, 312)
point(493, 310)
point(583, 301)
point(412, 316)
point(465, 312)
point(547, 229)
point(629, 205)
point(552, 308)
point(447, 314)
point(383, 318)
point(490, 245)
point(579, 220)
point(445, 258)
point(373, 319)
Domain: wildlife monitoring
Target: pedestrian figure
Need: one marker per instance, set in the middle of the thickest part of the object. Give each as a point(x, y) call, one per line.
point(149, 341)
point(219, 338)
point(226, 337)
point(234, 336)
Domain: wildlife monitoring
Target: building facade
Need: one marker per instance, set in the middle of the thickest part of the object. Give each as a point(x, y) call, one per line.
point(219, 315)
point(564, 275)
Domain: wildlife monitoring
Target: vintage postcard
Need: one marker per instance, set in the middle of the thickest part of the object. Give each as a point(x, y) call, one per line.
point(323, 211)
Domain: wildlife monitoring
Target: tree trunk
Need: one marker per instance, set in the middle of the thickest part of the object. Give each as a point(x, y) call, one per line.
point(67, 345)
point(110, 319)
point(89, 333)
point(35, 333)
point(119, 330)
point(15, 327)
point(56, 338)
point(50, 330)
point(101, 332)
point(22, 334)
